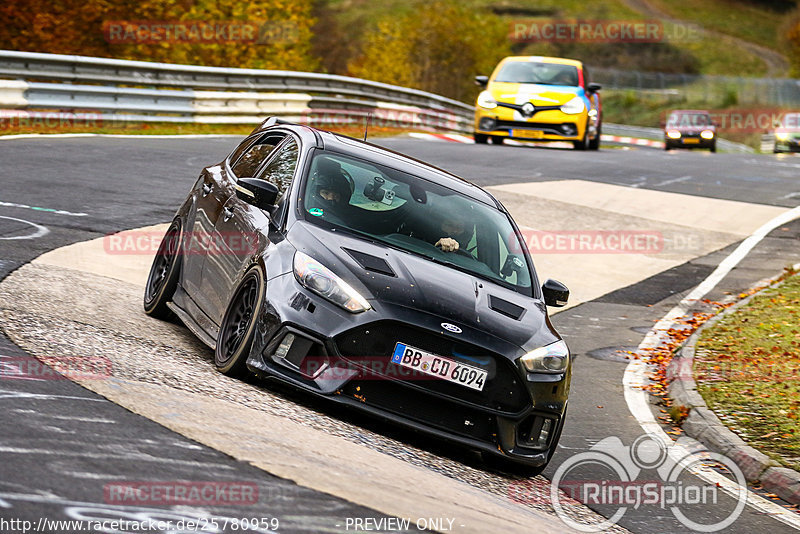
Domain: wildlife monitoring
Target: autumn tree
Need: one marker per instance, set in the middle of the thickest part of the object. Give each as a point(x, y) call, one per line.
point(791, 36)
point(283, 30)
point(438, 47)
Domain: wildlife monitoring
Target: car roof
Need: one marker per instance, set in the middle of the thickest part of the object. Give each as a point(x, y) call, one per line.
point(544, 59)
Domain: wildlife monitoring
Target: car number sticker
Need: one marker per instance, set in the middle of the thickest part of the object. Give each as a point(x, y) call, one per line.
point(316, 212)
point(439, 366)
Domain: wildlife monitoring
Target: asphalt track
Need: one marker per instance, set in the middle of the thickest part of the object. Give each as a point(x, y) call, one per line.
point(103, 185)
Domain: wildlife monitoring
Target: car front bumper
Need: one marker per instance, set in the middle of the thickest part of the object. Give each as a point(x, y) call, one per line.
point(550, 125)
point(518, 415)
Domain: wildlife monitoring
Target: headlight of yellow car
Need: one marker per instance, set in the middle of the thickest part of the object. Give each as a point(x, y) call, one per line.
point(674, 134)
point(485, 100)
point(783, 136)
point(707, 134)
point(574, 106)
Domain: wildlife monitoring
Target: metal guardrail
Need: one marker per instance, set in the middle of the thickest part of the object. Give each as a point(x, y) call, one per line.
point(712, 90)
point(207, 94)
point(188, 93)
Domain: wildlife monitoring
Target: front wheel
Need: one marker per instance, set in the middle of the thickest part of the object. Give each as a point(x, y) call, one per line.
point(238, 326)
point(163, 278)
point(594, 144)
point(480, 139)
point(497, 140)
point(583, 144)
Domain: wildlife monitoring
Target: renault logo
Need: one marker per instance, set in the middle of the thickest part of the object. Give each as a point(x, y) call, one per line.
point(528, 109)
point(451, 328)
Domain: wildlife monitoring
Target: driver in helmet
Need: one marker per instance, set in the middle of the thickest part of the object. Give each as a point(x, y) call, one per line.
point(330, 187)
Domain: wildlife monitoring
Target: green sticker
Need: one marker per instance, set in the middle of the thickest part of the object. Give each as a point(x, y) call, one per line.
point(316, 212)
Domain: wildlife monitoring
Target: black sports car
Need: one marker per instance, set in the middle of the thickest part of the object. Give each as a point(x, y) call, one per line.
point(374, 280)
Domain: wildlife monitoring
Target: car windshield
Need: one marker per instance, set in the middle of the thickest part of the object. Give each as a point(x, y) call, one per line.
point(541, 73)
point(688, 119)
point(412, 214)
point(791, 120)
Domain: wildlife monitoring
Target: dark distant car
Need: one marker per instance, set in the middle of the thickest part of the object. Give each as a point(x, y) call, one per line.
point(374, 280)
point(787, 134)
point(688, 128)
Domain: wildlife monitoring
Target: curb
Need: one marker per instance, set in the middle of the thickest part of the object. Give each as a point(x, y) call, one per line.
point(703, 424)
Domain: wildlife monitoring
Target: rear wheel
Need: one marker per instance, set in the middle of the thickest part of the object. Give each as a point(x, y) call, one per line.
point(239, 324)
point(163, 278)
point(480, 139)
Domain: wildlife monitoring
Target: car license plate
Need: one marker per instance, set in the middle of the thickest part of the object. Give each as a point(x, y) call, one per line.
point(439, 366)
point(690, 141)
point(529, 134)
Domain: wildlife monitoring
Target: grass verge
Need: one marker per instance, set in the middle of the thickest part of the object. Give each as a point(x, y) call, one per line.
point(747, 368)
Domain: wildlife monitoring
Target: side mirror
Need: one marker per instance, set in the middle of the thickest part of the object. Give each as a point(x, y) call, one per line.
point(481, 80)
point(258, 193)
point(594, 87)
point(555, 293)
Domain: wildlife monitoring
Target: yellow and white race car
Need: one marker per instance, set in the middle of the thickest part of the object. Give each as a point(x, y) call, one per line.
point(541, 99)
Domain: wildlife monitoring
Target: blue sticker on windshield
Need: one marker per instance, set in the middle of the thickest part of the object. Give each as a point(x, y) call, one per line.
point(316, 212)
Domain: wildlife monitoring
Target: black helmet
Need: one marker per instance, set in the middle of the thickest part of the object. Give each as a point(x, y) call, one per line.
point(330, 177)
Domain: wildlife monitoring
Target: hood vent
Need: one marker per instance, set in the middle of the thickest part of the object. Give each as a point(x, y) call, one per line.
point(371, 263)
point(509, 309)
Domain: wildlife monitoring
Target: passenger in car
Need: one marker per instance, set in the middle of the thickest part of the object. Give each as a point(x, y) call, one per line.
point(458, 233)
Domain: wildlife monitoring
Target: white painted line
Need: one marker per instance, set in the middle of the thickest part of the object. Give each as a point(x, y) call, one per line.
point(40, 230)
point(37, 208)
point(635, 377)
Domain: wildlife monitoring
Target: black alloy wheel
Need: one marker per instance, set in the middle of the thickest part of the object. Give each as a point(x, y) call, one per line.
point(163, 278)
point(239, 324)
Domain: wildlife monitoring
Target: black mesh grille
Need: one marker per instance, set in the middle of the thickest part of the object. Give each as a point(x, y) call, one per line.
point(502, 392)
point(423, 408)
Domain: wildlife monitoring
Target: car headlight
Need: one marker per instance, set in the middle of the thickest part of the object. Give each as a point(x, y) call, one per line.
point(782, 136)
point(552, 358)
point(707, 134)
point(486, 100)
point(324, 283)
point(674, 134)
point(574, 106)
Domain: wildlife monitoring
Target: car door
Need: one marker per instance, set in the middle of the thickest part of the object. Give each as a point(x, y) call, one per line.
point(216, 189)
point(241, 228)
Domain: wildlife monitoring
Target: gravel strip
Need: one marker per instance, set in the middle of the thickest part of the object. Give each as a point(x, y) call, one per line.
point(101, 318)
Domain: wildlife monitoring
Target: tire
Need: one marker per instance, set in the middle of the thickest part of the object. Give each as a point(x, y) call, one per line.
point(480, 139)
point(584, 143)
point(594, 144)
point(163, 278)
point(713, 148)
point(496, 139)
point(238, 326)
